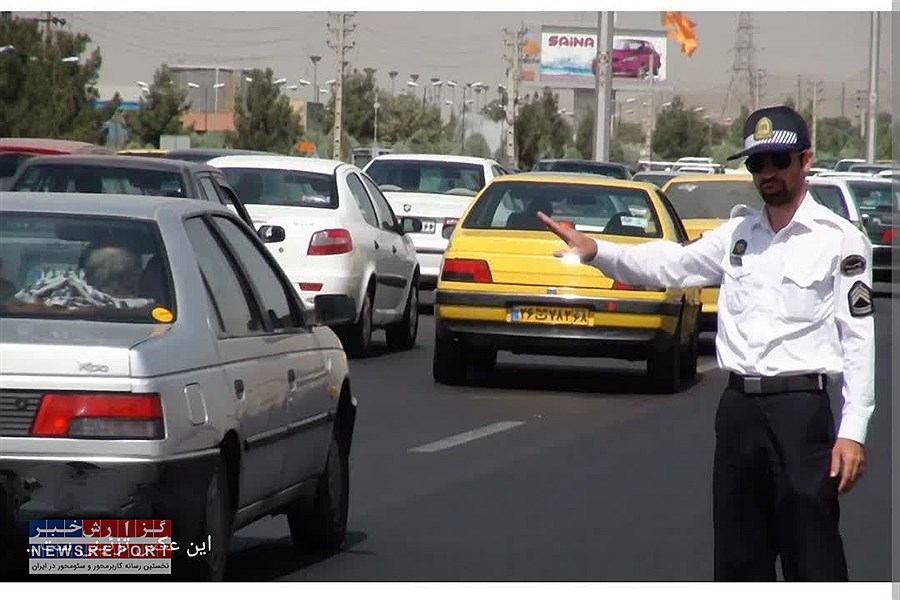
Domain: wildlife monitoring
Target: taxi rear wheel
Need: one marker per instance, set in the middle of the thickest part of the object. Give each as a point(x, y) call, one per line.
point(448, 365)
point(664, 365)
point(689, 354)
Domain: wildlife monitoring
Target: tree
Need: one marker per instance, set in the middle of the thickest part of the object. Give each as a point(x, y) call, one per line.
point(403, 115)
point(159, 112)
point(360, 94)
point(263, 118)
point(476, 145)
point(41, 95)
point(540, 130)
point(584, 137)
point(679, 132)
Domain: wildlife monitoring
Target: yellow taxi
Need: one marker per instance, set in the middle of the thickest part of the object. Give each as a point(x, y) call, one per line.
point(703, 202)
point(501, 288)
point(148, 152)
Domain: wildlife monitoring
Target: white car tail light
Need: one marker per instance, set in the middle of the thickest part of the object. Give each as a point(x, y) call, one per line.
point(330, 241)
point(100, 415)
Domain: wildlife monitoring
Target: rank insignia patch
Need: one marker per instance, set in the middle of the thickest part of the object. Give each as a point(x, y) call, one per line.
point(740, 247)
point(853, 265)
point(860, 299)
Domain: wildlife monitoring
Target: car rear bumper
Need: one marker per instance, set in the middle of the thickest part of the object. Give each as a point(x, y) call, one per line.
point(883, 265)
point(628, 329)
point(556, 340)
point(77, 487)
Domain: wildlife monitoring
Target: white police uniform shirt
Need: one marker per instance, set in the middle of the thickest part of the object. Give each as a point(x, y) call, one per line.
point(790, 302)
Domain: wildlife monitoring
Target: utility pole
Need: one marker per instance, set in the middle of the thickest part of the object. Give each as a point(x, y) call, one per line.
point(340, 46)
point(799, 97)
point(48, 21)
point(515, 41)
point(861, 107)
point(759, 78)
point(817, 89)
point(872, 132)
point(604, 85)
point(843, 97)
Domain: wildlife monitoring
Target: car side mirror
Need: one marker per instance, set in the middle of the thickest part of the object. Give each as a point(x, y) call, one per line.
point(410, 225)
point(331, 309)
point(271, 233)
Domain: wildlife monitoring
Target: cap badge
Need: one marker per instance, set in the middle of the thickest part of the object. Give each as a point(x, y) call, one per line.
point(763, 129)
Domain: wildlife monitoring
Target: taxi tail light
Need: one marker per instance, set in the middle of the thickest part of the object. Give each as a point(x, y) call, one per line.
point(330, 241)
point(112, 416)
point(465, 269)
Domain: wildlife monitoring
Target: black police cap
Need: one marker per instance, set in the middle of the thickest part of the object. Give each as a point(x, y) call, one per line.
point(774, 129)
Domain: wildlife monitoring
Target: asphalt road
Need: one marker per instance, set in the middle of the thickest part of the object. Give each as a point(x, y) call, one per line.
point(547, 470)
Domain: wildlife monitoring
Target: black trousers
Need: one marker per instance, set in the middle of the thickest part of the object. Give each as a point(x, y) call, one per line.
point(772, 493)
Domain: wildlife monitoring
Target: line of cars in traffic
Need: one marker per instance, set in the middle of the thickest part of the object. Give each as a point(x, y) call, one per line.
point(194, 319)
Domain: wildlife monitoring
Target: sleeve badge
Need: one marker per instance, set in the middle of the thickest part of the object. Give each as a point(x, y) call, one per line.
point(860, 300)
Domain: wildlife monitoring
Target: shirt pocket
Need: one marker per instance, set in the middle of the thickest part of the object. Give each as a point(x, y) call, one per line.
point(736, 288)
point(804, 292)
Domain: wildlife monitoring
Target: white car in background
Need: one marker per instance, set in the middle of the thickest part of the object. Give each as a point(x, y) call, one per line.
point(333, 232)
point(436, 189)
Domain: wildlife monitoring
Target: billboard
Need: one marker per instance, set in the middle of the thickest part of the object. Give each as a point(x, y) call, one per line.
point(568, 56)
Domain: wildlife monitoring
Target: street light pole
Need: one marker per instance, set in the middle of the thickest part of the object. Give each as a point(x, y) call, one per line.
point(375, 136)
point(315, 61)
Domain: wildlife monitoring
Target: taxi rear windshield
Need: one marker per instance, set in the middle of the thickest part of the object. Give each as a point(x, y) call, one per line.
point(711, 199)
point(590, 208)
point(87, 268)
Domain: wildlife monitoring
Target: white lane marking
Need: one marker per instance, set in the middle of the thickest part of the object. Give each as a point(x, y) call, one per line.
point(468, 436)
point(707, 365)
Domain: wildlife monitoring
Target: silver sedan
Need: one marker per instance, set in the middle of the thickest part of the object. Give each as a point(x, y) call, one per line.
point(155, 363)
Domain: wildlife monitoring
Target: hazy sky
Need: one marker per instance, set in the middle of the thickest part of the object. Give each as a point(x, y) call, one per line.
point(467, 46)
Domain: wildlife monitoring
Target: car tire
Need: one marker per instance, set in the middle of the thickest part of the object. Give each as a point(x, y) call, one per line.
point(664, 365)
point(218, 518)
point(322, 524)
point(402, 335)
point(448, 365)
point(357, 338)
point(690, 353)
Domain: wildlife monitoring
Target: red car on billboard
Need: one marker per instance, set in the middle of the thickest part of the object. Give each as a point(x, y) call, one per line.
point(634, 58)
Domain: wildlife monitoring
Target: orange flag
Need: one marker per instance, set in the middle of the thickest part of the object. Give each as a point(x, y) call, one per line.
point(681, 30)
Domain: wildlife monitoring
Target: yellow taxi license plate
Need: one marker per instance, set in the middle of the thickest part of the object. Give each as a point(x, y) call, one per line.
point(551, 315)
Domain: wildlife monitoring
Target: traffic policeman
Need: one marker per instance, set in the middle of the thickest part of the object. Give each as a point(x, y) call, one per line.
point(795, 309)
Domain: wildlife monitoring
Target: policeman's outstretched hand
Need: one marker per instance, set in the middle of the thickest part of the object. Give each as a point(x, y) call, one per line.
point(848, 460)
point(581, 245)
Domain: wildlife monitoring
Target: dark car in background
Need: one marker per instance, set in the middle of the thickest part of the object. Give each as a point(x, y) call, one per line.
point(202, 155)
point(15, 151)
point(131, 175)
point(575, 165)
point(657, 178)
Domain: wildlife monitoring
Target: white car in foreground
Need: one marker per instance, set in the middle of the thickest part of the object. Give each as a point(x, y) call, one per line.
point(436, 189)
point(333, 232)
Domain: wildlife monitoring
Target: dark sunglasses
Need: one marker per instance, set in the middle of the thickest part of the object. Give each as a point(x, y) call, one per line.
point(781, 160)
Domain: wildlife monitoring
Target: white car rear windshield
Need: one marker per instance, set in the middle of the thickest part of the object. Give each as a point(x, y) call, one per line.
point(86, 268)
point(283, 187)
point(711, 199)
point(432, 177)
point(588, 208)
